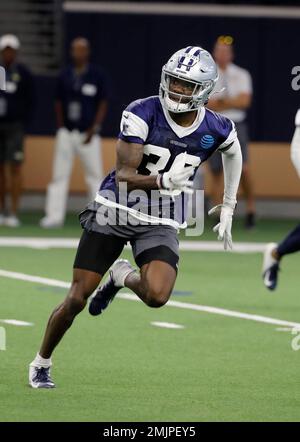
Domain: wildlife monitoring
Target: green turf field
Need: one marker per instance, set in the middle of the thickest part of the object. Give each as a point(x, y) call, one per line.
point(119, 367)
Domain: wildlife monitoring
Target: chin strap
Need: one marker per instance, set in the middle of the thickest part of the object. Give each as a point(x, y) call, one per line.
point(174, 106)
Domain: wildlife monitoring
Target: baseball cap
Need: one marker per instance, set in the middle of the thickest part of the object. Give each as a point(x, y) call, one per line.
point(9, 41)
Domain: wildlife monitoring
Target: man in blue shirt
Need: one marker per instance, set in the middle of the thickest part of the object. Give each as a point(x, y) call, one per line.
point(16, 106)
point(81, 105)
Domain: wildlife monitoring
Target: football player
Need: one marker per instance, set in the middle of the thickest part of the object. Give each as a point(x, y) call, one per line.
point(291, 243)
point(163, 140)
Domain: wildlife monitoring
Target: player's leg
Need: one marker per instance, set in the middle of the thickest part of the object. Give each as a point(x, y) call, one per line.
point(83, 285)
point(57, 191)
point(90, 156)
point(290, 244)
point(95, 254)
point(154, 283)
point(273, 255)
point(156, 253)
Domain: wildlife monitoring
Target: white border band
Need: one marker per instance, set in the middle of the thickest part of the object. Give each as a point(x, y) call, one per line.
point(187, 9)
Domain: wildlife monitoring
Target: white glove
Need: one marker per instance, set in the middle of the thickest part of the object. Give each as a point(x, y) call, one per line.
point(176, 180)
point(224, 226)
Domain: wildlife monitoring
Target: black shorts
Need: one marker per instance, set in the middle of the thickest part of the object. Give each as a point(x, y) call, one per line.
point(97, 252)
point(101, 245)
point(11, 143)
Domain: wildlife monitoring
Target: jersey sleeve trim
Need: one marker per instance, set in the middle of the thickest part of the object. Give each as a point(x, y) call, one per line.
point(133, 127)
point(135, 140)
point(229, 140)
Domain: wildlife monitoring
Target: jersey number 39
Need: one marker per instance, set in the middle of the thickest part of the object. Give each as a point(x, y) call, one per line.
point(158, 158)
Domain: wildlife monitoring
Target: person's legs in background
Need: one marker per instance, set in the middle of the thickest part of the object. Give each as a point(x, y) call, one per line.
point(91, 158)
point(247, 186)
point(246, 181)
point(57, 192)
point(217, 186)
point(15, 191)
point(15, 157)
point(216, 167)
point(3, 155)
point(2, 192)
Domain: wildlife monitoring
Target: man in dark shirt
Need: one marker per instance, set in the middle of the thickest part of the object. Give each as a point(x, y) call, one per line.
point(81, 104)
point(16, 104)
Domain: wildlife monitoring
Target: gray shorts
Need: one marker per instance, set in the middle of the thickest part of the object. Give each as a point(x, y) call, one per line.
point(101, 245)
point(215, 161)
point(11, 142)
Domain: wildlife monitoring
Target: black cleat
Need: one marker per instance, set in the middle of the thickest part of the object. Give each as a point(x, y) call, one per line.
point(271, 277)
point(270, 267)
point(103, 297)
point(106, 293)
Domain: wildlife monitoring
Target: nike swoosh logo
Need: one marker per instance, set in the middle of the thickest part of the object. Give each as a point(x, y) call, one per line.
point(266, 279)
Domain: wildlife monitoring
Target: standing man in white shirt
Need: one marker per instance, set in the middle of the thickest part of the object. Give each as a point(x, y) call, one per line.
point(81, 106)
point(232, 100)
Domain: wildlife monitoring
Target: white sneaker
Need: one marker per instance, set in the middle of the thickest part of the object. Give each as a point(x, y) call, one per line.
point(120, 270)
point(270, 267)
point(39, 377)
point(48, 223)
point(12, 221)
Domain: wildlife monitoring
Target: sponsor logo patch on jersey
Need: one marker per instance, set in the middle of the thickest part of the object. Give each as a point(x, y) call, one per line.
point(207, 141)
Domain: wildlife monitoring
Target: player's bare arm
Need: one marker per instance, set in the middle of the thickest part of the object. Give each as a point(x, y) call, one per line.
point(129, 157)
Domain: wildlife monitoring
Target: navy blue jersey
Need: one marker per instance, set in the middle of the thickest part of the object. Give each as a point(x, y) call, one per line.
point(146, 122)
point(16, 102)
point(80, 96)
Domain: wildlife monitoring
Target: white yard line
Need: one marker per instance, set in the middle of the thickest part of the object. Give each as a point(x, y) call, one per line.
point(16, 322)
point(37, 279)
point(177, 304)
point(39, 243)
point(171, 325)
point(72, 243)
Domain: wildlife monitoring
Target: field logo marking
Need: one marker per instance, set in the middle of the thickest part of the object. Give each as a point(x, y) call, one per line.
point(2, 338)
point(295, 343)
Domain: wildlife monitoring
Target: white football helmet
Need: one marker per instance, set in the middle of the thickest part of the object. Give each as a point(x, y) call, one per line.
point(195, 66)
